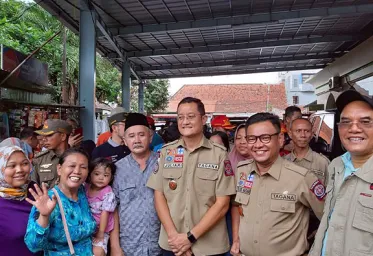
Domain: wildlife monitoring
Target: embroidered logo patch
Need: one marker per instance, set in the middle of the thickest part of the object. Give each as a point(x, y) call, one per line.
point(318, 189)
point(228, 168)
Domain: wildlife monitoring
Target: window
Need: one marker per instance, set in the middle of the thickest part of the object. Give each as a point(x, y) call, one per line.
point(305, 77)
point(295, 83)
point(295, 100)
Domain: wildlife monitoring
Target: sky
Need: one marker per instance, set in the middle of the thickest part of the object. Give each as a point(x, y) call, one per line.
point(258, 78)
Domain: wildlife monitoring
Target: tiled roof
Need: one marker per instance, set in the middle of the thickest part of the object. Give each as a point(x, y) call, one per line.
point(232, 98)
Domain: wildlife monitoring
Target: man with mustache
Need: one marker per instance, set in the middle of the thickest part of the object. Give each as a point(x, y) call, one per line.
point(300, 132)
point(139, 224)
point(346, 228)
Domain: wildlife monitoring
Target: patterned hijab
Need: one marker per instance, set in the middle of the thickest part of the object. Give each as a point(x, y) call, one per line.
point(6, 191)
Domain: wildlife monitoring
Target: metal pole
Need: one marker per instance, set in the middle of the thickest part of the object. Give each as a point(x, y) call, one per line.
point(28, 57)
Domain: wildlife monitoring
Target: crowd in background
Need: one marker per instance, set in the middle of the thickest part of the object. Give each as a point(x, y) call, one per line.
point(189, 189)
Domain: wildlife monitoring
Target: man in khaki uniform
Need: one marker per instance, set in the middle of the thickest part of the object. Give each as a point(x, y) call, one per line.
point(346, 227)
point(56, 134)
point(273, 197)
point(192, 186)
point(300, 132)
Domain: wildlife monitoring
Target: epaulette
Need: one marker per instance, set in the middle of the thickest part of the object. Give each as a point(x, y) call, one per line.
point(295, 168)
point(320, 154)
point(170, 143)
point(42, 153)
point(245, 162)
point(218, 145)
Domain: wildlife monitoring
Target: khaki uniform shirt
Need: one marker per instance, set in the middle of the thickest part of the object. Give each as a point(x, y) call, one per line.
point(275, 208)
point(349, 202)
point(45, 168)
point(315, 162)
point(191, 181)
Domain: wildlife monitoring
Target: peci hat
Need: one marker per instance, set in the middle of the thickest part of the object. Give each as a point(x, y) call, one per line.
point(349, 96)
point(136, 119)
point(222, 121)
point(118, 114)
point(54, 125)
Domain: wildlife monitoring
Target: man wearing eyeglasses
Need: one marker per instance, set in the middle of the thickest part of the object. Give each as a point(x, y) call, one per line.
point(271, 211)
point(346, 228)
point(192, 186)
point(114, 149)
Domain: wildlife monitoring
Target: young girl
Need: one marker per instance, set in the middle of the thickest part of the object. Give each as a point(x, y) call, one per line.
point(102, 201)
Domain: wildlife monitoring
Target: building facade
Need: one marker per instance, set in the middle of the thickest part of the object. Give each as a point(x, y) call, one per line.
point(298, 92)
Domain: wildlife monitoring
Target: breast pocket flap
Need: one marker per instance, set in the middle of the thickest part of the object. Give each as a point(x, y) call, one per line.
point(282, 206)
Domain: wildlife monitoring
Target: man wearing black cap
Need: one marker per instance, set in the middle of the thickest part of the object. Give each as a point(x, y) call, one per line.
point(114, 149)
point(139, 224)
point(347, 224)
point(56, 135)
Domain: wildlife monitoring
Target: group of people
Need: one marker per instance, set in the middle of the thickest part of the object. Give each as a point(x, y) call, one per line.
point(193, 195)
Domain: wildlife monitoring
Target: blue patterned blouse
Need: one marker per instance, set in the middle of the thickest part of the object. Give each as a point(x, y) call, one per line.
point(52, 239)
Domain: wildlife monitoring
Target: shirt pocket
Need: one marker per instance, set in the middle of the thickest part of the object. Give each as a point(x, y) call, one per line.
point(127, 193)
point(172, 180)
point(46, 177)
point(206, 181)
point(281, 211)
point(363, 218)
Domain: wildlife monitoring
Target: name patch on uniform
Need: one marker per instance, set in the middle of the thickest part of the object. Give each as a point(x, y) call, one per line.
point(286, 197)
point(244, 190)
point(318, 189)
point(228, 168)
point(208, 166)
point(45, 170)
point(46, 165)
point(173, 165)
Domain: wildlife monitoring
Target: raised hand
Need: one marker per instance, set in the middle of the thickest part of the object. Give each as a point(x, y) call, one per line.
point(42, 202)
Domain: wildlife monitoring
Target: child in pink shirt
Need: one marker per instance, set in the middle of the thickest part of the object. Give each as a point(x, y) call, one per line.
point(101, 201)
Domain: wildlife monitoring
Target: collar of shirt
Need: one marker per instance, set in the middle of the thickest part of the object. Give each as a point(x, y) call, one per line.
point(204, 143)
point(307, 157)
point(364, 172)
point(113, 143)
point(274, 170)
point(349, 167)
point(152, 156)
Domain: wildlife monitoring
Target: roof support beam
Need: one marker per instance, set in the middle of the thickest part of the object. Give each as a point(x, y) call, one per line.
point(248, 45)
point(109, 36)
point(238, 62)
point(244, 20)
point(235, 72)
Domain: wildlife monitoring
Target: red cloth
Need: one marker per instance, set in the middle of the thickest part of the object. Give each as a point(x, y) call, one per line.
point(104, 137)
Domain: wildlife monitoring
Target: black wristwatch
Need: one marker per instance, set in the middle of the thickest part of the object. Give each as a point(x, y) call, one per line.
point(191, 237)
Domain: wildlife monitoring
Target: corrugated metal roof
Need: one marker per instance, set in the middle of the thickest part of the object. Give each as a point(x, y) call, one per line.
point(176, 38)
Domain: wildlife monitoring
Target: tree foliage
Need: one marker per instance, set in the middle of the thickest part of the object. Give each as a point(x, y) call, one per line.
point(26, 26)
point(155, 96)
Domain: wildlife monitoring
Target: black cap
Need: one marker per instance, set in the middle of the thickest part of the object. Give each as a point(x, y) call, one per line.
point(349, 96)
point(136, 119)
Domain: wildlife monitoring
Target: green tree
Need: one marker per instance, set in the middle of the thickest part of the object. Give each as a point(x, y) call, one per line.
point(156, 95)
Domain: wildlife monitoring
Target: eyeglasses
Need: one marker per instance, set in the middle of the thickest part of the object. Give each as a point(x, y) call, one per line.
point(189, 117)
point(264, 138)
point(362, 124)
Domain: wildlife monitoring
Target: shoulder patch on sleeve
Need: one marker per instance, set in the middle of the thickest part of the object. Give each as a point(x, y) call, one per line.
point(42, 153)
point(295, 168)
point(318, 190)
point(245, 162)
point(228, 170)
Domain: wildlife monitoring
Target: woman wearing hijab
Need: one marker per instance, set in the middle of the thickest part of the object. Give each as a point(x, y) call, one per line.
point(240, 151)
point(14, 209)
